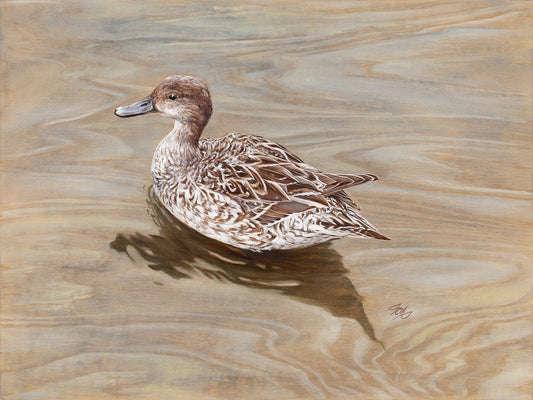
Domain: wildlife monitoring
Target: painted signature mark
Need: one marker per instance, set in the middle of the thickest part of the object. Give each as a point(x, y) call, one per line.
point(400, 312)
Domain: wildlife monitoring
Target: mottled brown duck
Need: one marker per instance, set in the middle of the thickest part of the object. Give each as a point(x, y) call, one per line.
point(243, 190)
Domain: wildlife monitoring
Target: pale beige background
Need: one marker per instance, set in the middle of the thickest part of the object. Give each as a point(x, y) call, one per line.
point(434, 97)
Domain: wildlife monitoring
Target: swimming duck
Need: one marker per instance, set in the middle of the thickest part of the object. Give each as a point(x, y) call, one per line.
point(243, 190)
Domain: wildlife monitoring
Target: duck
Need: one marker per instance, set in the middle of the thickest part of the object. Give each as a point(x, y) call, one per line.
point(243, 190)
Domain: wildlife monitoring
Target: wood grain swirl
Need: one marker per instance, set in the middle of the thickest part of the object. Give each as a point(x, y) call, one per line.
point(105, 296)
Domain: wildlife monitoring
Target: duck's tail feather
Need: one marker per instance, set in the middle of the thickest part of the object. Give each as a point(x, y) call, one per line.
point(374, 234)
point(338, 182)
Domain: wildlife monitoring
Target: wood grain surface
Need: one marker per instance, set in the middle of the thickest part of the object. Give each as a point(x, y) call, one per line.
point(105, 296)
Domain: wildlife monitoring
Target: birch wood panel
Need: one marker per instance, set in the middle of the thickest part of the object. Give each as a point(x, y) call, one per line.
point(105, 296)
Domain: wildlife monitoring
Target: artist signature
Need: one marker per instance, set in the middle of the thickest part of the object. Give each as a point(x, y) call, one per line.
point(400, 312)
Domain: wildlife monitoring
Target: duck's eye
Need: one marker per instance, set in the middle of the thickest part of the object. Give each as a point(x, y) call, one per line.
point(172, 97)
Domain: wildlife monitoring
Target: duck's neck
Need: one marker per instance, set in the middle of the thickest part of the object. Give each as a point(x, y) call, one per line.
point(180, 146)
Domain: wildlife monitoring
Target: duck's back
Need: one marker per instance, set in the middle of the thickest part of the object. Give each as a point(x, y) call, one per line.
point(279, 195)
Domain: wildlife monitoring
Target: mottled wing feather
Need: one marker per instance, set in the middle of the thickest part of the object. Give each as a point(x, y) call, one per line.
point(267, 213)
point(343, 181)
point(345, 199)
point(273, 181)
point(276, 165)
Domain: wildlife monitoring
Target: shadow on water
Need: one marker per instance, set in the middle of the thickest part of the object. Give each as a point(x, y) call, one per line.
point(315, 275)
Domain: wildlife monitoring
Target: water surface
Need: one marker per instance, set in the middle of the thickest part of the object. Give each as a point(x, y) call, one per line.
point(105, 296)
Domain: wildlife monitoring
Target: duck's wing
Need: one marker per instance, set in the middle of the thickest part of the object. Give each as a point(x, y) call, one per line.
point(276, 181)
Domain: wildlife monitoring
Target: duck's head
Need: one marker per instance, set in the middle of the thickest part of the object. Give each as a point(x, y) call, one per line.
point(185, 99)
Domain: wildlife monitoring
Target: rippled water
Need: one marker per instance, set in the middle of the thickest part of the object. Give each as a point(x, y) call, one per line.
point(105, 295)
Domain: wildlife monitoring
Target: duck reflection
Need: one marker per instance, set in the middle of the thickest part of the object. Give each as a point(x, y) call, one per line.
point(314, 276)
